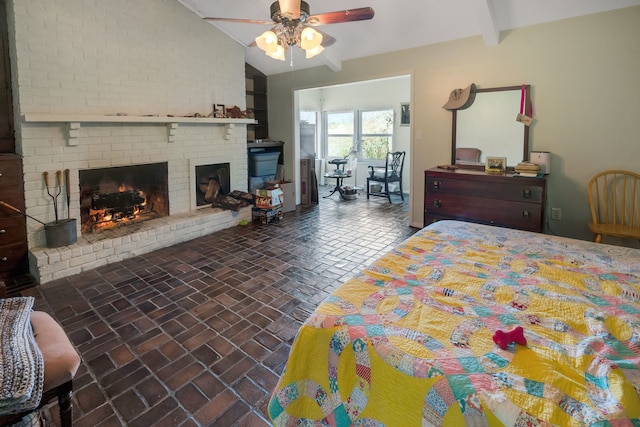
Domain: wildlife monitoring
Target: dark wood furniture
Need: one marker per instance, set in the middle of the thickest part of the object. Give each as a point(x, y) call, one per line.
point(390, 173)
point(13, 234)
point(256, 88)
point(476, 196)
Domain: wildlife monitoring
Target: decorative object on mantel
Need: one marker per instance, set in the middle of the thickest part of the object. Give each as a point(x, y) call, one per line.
point(460, 99)
point(236, 113)
point(292, 26)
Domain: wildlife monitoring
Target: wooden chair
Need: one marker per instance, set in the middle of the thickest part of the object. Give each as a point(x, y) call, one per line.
point(61, 362)
point(390, 173)
point(614, 199)
point(471, 155)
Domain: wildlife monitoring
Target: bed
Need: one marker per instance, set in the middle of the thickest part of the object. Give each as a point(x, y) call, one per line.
point(409, 341)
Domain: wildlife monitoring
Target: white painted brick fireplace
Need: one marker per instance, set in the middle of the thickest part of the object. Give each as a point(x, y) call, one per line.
point(100, 145)
point(136, 59)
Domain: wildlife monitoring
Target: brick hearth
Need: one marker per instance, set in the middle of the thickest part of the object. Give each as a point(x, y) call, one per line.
point(121, 243)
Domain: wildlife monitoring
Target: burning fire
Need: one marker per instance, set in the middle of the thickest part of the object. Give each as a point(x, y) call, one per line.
point(109, 210)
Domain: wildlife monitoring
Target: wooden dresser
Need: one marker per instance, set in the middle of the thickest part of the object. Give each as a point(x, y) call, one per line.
point(475, 196)
point(13, 236)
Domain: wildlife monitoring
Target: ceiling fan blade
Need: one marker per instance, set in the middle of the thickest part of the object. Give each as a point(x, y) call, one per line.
point(241, 21)
point(360, 14)
point(291, 7)
point(327, 40)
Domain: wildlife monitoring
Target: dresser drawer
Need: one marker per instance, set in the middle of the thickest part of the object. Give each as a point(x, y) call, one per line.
point(12, 229)
point(13, 257)
point(10, 172)
point(510, 189)
point(522, 215)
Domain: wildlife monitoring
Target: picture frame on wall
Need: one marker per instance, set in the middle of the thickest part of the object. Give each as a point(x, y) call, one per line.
point(219, 111)
point(405, 114)
point(495, 164)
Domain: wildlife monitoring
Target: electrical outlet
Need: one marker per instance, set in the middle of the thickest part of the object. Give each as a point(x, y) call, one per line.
point(556, 214)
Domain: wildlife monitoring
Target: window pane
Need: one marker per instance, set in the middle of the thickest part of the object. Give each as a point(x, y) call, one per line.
point(308, 116)
point(377, 122)
point(340, 123)
point(339, 146)
point(375, 147)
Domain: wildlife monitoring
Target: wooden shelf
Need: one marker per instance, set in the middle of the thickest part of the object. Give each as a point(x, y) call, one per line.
point(96, 118)
point(74, 122)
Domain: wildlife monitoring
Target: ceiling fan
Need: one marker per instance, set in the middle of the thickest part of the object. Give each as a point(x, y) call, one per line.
point(292, 25)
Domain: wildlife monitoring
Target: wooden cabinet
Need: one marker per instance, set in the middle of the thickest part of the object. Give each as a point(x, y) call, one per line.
point(256, 87)
point(7, 141)
point(13, 241)
point(475, 196)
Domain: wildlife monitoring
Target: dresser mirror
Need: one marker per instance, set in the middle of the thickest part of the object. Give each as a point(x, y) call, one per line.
point(489, 125)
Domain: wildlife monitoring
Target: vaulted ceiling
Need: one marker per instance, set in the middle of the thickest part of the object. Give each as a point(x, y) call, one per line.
point(397, 24)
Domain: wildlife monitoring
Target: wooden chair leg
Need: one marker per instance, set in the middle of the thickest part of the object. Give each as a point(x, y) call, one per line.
point(386, 189)
point(65, 405)
point(367, 188)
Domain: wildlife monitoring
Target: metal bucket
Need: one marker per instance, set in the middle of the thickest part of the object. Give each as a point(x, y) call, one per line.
point(61, 233)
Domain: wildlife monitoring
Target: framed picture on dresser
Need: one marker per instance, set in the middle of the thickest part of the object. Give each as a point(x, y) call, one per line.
point(495, 164)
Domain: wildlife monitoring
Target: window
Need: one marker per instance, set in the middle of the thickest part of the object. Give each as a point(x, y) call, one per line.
point(340, 133)
point(369, 132)
point(376, 133)
point(309, 134)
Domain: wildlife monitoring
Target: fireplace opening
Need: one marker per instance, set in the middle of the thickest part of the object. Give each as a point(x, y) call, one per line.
point(211, 181)
point(112, 197)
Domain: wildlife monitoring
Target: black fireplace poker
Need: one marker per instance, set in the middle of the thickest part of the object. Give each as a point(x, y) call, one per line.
point(13, 208)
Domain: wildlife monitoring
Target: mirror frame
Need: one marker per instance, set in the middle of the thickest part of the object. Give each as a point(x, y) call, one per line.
point(525, 140)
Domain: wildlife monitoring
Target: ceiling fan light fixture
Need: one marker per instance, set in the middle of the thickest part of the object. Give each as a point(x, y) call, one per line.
point(310, 38)
point(277, 53)
point(267, 41)
point(310, 53)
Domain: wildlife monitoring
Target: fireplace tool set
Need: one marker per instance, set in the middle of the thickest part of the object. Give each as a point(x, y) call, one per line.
point(61, 232)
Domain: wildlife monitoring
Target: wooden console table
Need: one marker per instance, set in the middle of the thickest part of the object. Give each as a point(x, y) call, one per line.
point(469, 195)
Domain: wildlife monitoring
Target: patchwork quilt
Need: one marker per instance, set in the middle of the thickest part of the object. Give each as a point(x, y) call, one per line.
point(410, 341)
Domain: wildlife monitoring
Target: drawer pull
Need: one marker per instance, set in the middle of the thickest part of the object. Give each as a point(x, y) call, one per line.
point(436, 185)
point(3, 231)
point(437, 203)
point(526, 193)
point(526, 214)
point(4, 259)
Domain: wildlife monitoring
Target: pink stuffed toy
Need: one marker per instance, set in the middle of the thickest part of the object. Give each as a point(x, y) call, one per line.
point(503, 339)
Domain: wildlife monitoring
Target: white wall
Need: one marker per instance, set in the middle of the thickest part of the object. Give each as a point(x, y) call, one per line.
point(367, 95)
point(119, 56)
point(585, 88)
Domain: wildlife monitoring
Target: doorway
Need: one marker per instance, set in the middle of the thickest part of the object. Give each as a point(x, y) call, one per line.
point(392, 93)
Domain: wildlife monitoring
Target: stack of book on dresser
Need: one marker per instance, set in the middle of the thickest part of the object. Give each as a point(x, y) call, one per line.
point(527, 169)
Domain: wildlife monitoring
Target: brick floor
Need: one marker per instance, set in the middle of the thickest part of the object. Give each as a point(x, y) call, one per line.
point(197, 334)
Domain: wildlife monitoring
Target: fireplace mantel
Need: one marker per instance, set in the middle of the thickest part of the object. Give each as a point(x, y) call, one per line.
point(74, 121)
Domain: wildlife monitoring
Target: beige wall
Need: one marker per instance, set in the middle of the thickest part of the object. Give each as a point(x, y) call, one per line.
point(585, 77)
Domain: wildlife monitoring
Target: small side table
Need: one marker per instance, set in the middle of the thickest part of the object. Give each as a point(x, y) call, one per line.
point(339, 175)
